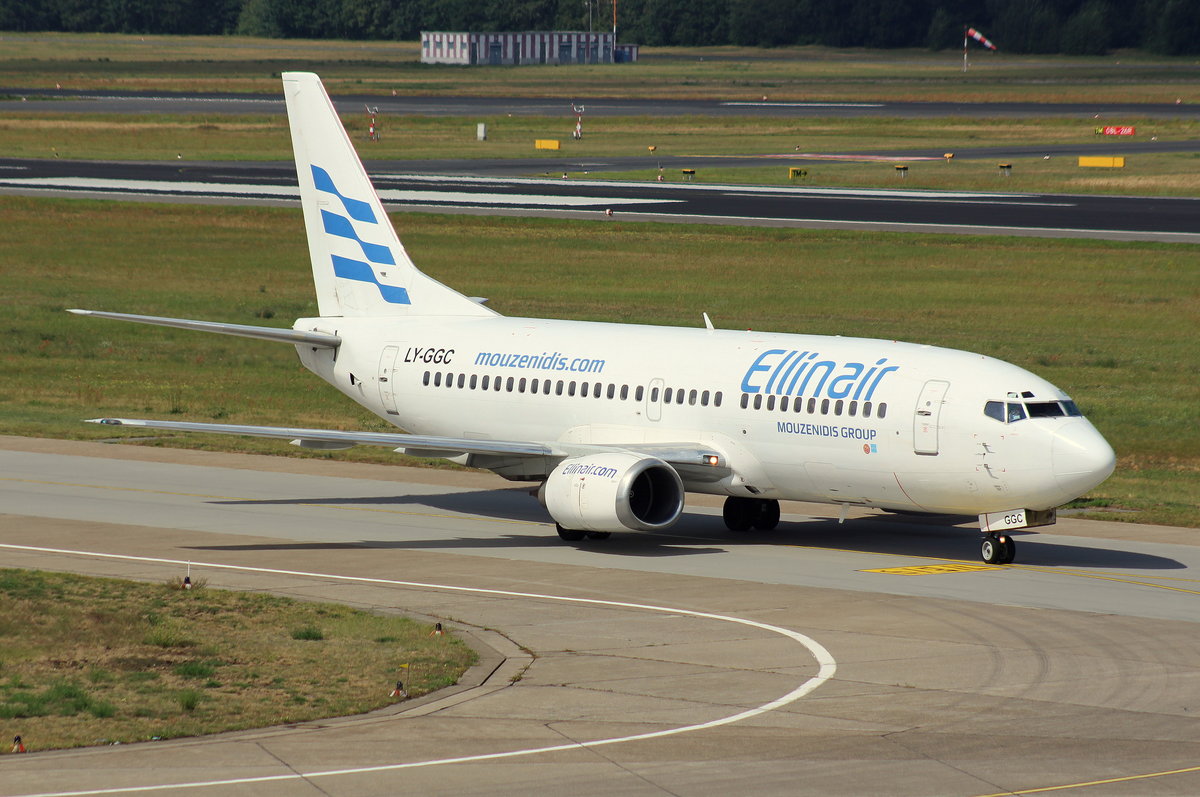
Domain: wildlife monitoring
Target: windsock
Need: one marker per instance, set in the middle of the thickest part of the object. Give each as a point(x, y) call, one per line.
point(979, 37)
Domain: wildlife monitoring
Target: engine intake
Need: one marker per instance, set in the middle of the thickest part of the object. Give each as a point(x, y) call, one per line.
point(613, 492)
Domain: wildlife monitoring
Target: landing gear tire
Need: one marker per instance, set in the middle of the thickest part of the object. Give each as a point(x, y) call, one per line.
point(569, 535)
point(599, 535)
point(739, 513)
point(768, 514)
point(997, 550)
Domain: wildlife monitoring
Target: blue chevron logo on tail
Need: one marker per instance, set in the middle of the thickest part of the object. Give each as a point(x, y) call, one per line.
point(342, 227)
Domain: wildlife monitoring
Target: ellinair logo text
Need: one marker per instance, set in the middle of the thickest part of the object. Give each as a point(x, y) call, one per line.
point(803, 373)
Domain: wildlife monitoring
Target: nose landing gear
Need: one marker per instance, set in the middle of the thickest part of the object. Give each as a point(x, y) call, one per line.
point(997, 549)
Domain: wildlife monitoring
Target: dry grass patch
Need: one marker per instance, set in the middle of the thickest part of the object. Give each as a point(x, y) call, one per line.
point(90, 661)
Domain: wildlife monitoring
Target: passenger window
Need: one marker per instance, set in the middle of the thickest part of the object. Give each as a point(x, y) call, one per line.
point(546, 387)
point(558, 388)
point(498, 384)
point(474, 380)
point(692, 398)
point(866, 409)
point(881, 410)
point(812, 406)
point(1016, 412)
point(624, 392)
point(533, 386)
point(994, 409)
point(425, 379)
point(798, 404)
point(437, 379)
point(509, 386)
point(653, 395)
point(462, 380)
point(717, 399)
point(758, 401)
point(639, 393)
point(853, 408)
point(745, 400)
point(837, 407)
point(484, 382)
point(824, 406)
point(612, 391)
point(596, 389)
point(704, 399)
point(571, 388)
point(668, 394)
point(583, 389)
point(771, 402)
point(783, 402)
point(521, 385)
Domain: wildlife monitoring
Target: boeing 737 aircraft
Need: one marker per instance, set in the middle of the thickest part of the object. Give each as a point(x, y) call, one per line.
point(617, 422)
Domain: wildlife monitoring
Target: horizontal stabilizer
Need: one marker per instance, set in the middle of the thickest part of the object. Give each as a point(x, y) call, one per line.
point(321, 340)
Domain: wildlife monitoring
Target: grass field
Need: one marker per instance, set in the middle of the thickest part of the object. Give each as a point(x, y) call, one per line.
point(230, 63)
point(91, 661)
point(1111, 323)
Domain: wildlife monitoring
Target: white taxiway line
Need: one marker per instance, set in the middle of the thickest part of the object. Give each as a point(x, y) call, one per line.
point(828, 667)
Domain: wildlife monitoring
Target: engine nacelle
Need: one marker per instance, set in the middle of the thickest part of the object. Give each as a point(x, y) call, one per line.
point(613, 492)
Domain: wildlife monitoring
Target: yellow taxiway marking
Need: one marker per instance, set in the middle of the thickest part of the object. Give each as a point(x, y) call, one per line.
point(1065, 786)
point(236, 498)
point(929, 570)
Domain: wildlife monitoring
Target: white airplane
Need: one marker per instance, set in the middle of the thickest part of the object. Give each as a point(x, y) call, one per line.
point(617, 422)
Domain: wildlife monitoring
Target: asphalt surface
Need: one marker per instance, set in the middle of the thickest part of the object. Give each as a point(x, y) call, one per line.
point(684, 663)
point(468, 188)
point(69, 101)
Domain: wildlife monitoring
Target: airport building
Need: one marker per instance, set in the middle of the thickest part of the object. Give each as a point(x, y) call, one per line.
point(511, 49)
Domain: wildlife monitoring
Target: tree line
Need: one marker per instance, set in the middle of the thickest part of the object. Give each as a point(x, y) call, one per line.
point(1077, 27)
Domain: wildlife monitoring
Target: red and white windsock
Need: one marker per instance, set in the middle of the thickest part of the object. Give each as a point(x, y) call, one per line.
point(979, 37)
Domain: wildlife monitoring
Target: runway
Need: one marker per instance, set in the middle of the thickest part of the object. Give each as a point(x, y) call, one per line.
point(1074, 666)
point(1170, 219)
point(101, 101)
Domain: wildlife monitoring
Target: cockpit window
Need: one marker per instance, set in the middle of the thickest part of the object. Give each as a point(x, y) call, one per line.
point(1045, 409)
point(1012, 411)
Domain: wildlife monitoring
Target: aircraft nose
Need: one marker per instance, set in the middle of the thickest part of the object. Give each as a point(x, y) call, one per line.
point(1081, 458)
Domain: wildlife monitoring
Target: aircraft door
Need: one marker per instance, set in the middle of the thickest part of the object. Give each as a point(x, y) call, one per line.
point(387, 377)
point(654, 395)
point(927, 415)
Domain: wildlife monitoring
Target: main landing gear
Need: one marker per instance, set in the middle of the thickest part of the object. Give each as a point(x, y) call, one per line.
point(742, 514)
point(997, 549)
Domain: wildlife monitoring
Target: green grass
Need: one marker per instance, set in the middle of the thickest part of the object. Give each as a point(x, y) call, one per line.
point(1113, 324)
point(78, 669)
point(231, 63)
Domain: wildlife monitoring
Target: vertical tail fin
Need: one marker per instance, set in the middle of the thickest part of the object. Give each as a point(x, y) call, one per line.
point(359, 265)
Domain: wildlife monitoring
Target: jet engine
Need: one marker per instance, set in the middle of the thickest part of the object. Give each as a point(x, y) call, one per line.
point(613, 492)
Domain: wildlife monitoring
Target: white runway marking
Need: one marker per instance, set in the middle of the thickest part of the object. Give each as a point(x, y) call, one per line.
point(828, 667)
point(291, 192)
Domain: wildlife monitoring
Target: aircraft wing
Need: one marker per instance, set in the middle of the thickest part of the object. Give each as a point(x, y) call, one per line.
point(695, 462)
point(333, 440)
